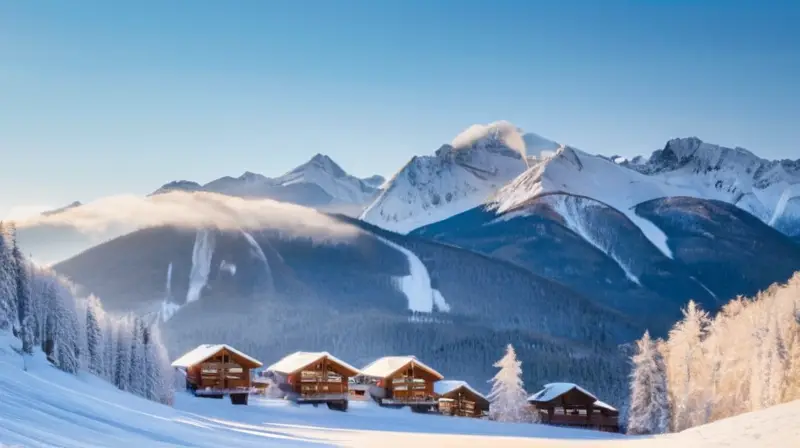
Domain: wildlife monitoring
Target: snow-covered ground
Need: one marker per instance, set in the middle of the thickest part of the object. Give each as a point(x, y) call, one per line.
point(46, 407)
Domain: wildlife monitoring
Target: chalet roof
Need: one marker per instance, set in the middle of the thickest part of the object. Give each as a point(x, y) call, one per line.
point(555, 390)
point(604, 405)
point(296, 361)
point(386, 366)
point(447, 386)
point(205, 351)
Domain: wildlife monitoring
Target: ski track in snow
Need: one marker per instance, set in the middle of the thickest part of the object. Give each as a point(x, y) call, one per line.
point(568, 209)
point(787, 194)
point(169, 281)
point(261, 256)
point(705, 287)
point(417, 284)
point(652, 232)
point(201, 263)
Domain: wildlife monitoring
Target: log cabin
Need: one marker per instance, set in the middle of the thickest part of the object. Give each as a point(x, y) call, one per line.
point(402, 381)
point(567, 404)
point(216, 370)
point(458, 398)
point(314, 377)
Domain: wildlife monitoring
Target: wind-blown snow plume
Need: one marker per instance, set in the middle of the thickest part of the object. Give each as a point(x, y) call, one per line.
point(93, 223)
point(417, 284)
point(502, 131)
point(201, 263)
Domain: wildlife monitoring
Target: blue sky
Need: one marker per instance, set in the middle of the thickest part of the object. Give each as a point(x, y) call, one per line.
point(100, 98)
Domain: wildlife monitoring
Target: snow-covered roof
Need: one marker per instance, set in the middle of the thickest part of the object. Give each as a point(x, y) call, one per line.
point(386, 366)
point(604, 405)
point(205, 351)
point(296, 361)
point(554, 390)
point(447, 386)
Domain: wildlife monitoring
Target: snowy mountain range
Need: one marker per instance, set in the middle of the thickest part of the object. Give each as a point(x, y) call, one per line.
point(318, 183)
point(501, 167)
point(459, 176)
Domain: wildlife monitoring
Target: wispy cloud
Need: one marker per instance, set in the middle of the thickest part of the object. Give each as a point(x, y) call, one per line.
point(64, 234)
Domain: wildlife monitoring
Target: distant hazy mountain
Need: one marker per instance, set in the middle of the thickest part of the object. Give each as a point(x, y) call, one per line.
point(318, 183)
point(62, 209)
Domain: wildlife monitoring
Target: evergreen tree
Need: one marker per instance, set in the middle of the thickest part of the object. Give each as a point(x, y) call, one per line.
point(686, 368)
point(122, 361)
point(108, 350)
point(9, 317)
point(649, 408)
point(67, 330)
point(508, 400)
point(23, 293)
point(136, 373)
point(94, 337)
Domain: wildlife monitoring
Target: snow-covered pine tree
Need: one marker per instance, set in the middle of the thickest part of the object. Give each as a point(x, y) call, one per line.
point(94, 337)
point(122, 357)
point(158, 380)
point(649, 408)
point(23, 293)
point(9, 317)
point(67, 335)
point(108, 349)
point(686, 368)
point(136, 373)
point(508, 399)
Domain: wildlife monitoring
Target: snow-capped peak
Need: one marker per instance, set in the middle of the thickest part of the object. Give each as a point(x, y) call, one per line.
point(459, 176)
point(685, 167)
point(319, 182)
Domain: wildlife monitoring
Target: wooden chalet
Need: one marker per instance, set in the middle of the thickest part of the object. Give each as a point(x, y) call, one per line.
point(459, 399)
point(314, 377)
point(402, 381)
point(567, 404)
point(216, 370)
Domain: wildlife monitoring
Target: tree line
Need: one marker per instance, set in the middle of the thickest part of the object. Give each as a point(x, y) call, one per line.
point(744, 359)
point(43, 310)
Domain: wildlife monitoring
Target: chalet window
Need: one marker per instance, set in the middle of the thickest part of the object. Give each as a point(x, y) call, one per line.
point(235, 370)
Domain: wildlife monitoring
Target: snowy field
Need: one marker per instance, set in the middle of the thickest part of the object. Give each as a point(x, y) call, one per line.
point(46, 407)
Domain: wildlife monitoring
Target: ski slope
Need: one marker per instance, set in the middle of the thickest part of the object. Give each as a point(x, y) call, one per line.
point(44, 407)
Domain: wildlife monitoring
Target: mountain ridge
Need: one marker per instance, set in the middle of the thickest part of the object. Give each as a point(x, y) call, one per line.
point(320, 182)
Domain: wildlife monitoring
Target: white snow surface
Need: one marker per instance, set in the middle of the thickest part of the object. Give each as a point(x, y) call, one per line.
point(460, 176)
point(205, 351)
point(44, 407)
point(386, 366)
point(416, 286)
point(446, 386)
point(201, 263)
point(296, 361)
